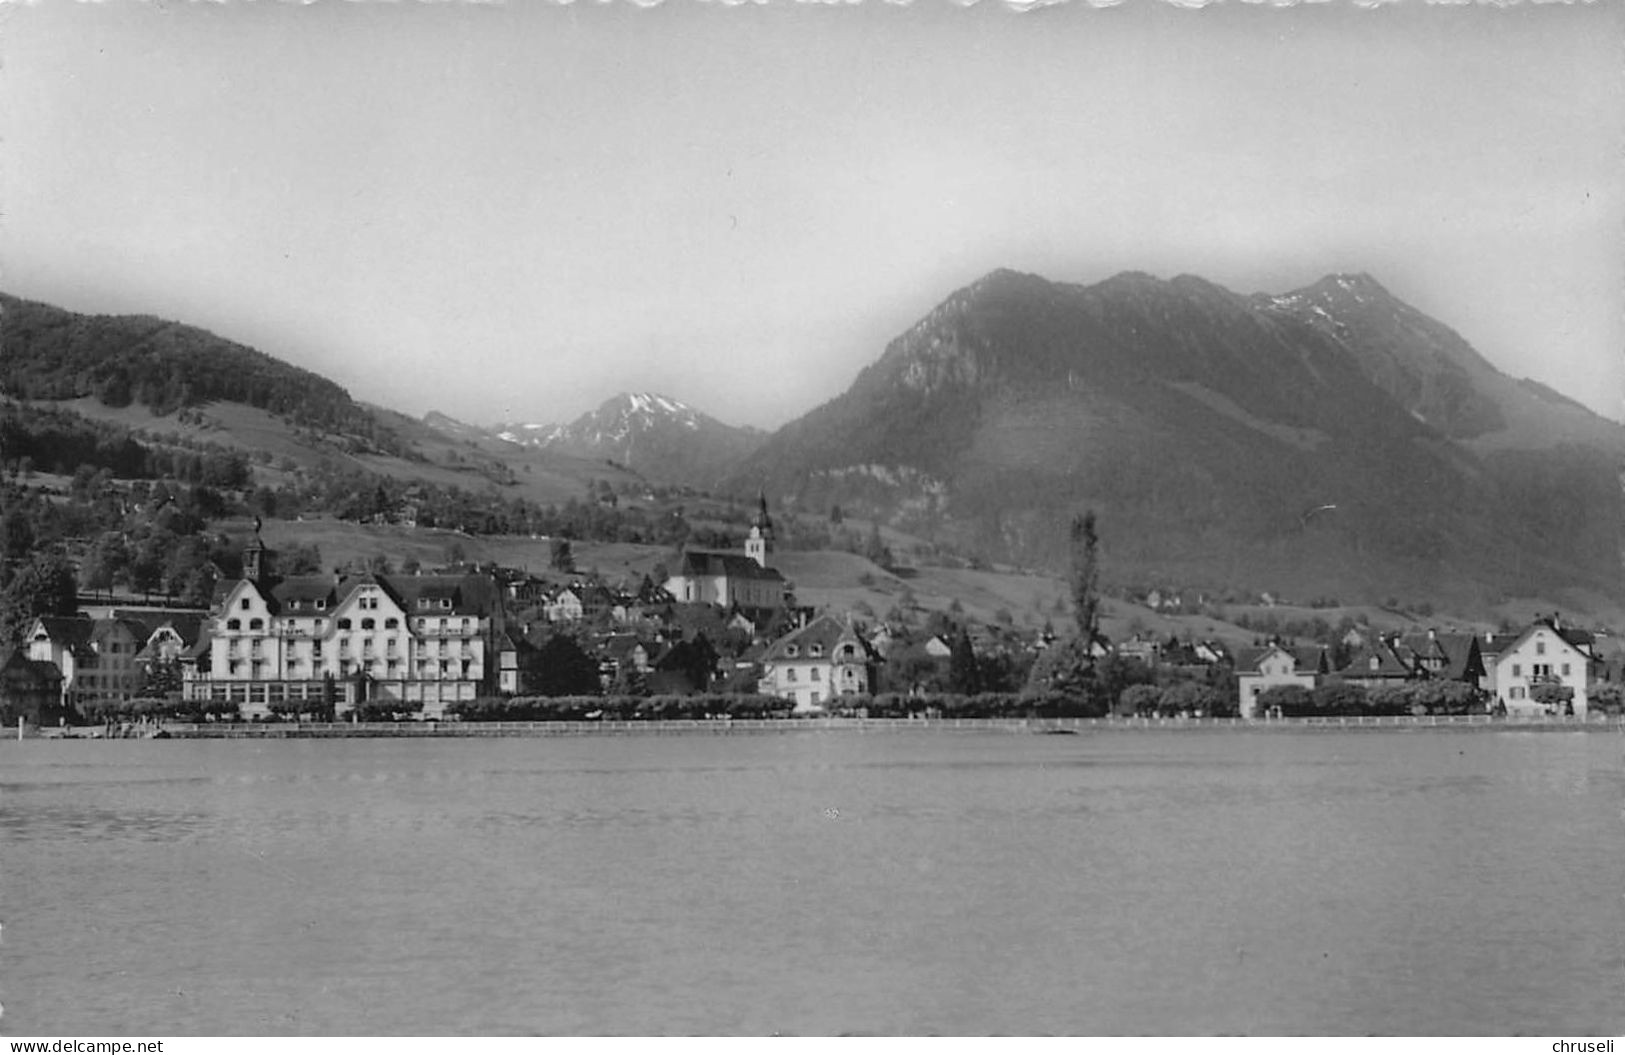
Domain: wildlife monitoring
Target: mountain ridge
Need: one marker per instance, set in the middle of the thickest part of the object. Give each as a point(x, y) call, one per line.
point(1203, 421)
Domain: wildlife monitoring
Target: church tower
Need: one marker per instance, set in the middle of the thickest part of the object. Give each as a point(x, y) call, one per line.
point(255, 557)
point(759, 543)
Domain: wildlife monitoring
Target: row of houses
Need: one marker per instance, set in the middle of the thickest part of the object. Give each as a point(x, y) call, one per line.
point(1507, 668)
point(66, 662)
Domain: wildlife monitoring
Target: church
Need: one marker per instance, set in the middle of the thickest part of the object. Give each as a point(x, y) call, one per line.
point(730, 580)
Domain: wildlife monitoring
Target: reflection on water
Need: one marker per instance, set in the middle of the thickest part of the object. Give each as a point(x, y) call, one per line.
point(815, 883)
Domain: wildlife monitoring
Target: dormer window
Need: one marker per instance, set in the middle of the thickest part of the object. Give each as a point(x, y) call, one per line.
point(445, 602)
point(423, 602)
point(791, 651)
point(815, 650)
point(321, 604)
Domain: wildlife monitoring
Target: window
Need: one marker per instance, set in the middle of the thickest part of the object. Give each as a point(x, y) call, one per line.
point(369, 624)
point(1540, 648)
point(792, 651)
point(812, 675)
point(423, 602)
point(790, 674)
point(1565, 670)
point(256, 624)
point(1517, 670)
point(243, 604)
point(344, 624)
point(815, 649)
point(391, 624)
point(234, 624)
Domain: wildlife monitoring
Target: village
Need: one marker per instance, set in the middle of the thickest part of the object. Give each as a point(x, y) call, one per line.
point(722, 631)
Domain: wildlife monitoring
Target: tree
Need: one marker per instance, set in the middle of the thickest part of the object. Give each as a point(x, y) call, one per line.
point(1607, 698)
point(161, 679)
point(43, 586)
point(1293, 701)
point(629, 681)
point(1139, 699)
point(874, 548)
point(560, 556)
point(106, 562)
point(301, 560)
point(1062, 670)
point(964, 673)
point(1085, 579)
point(1557, 699)
point(561, 668)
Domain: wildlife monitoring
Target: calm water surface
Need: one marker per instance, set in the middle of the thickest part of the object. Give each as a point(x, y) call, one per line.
point(819, 882)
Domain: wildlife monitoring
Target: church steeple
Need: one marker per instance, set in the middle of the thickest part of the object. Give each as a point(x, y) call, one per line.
point(254, 557)
point(759, 544)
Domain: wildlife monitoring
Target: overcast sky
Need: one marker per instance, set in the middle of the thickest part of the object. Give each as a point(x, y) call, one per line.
point(512, 212)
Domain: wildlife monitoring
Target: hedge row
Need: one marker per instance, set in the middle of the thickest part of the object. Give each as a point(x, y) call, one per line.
point(1342, 699)
point(666, 708)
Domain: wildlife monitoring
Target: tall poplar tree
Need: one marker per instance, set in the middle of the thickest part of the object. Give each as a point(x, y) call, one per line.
point(1086, 576)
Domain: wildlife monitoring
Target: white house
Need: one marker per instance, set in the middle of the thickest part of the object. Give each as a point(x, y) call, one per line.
point(1544, 654)
point(1276, 665)
point(821, 661)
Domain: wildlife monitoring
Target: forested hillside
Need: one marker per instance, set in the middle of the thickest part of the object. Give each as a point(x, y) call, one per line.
point(50, 353)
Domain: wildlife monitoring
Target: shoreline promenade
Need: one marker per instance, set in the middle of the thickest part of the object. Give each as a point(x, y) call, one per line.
point(729, 727)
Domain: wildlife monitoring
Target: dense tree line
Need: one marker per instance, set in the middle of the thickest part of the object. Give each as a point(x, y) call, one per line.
point(44, 439)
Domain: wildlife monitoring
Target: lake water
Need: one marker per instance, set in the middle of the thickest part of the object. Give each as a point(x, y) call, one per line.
point(1407, 882)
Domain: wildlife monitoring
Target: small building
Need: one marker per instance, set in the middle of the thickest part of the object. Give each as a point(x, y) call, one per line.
point(1265, 668)
point(1377, 664)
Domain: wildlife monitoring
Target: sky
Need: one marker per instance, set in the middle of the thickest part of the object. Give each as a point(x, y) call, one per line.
point(511, 212)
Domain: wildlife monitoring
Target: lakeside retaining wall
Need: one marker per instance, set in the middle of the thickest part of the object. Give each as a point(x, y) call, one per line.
point(743, 726)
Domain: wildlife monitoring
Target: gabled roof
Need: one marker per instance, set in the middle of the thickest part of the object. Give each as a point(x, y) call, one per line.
point(1580, 641)
point(1309, 659)
point(824, 634)
point(706, 563)
point(66, 631)
point(620, 646)
point(1454, 652)
point(303, 591)
point(1376, 660)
